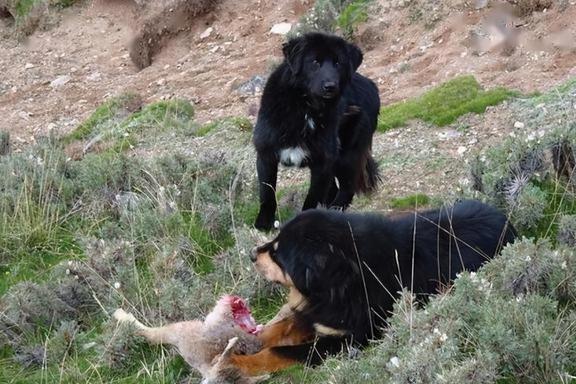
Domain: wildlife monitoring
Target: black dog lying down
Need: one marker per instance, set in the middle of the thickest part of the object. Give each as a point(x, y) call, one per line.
point(317, 112)
point(344, 270)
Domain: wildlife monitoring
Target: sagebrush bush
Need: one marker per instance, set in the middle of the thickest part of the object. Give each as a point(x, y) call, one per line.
point(531, 174)
point(512, 320)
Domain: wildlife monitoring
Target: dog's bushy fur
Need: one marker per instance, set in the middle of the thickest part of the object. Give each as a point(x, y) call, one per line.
point(349, 267)
point(317, 112)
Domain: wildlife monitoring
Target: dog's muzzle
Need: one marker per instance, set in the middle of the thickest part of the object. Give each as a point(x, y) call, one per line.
point(329, 90)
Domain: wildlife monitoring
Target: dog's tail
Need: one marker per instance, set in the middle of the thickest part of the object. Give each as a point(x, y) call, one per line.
point(369, 174)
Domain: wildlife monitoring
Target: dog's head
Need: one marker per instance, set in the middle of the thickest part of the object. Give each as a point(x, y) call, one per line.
point(312, 255)
point(322, 63)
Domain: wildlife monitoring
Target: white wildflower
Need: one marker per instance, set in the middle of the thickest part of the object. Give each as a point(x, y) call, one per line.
point(395, 361)
point(116, 285)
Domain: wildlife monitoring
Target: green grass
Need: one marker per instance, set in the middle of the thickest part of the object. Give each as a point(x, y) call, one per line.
point(236, 122)
point(23, 7)
point(111, 112)
point(444, 104)
point(162, 114)
point(352, 16)
point(418, 200)
point(560, 200)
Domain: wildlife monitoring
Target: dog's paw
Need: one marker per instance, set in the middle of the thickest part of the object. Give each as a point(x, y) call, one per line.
point(122, 316)
point(264, 222)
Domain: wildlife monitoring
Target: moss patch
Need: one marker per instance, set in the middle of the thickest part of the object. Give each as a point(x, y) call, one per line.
point(444, 104)
point(113, 111)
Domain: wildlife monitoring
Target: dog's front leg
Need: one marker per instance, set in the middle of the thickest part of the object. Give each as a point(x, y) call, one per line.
point(320, 181)
point(267, 168)
point(322, 170)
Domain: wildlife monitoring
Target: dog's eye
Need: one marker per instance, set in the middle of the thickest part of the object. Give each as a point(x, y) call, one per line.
point(336, 62)
point(316, 64)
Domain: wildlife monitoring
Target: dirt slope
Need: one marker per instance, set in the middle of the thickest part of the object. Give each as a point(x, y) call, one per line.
point(55, 78)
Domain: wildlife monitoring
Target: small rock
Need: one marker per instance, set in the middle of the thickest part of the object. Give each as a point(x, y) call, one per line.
point(215, 49)
point(24, 115)
point(60, 81)
point(29, 66)
point(253, 86)
point(450, 134)
point(96, 76)
point(281, 28)
point(206, 33)
point(161, 82)
point(519, 125)
point(479, 4)
point(461, 150)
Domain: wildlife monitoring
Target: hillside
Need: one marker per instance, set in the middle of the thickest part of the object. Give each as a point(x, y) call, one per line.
point(134, 186)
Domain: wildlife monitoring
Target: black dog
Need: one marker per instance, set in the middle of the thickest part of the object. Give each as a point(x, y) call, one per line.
point(317, 112)
point(344, 271)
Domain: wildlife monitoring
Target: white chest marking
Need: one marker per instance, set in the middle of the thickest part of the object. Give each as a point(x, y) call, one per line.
point(310, 122)
point(293, 156)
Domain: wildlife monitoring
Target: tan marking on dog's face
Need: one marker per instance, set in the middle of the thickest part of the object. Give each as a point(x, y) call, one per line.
point(269, 269)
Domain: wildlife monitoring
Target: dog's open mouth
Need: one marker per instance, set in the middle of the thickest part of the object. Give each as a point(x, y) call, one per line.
point(243, 317)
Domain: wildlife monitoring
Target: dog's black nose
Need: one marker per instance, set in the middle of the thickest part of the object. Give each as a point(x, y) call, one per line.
point(254, 254)
point(329, 87)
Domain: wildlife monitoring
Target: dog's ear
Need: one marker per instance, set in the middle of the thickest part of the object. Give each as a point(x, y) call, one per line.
point(355, 56)
point(292, 50)
point(323, 270)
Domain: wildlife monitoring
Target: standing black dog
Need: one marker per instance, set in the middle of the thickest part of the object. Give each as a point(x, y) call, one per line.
point(317, 112)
